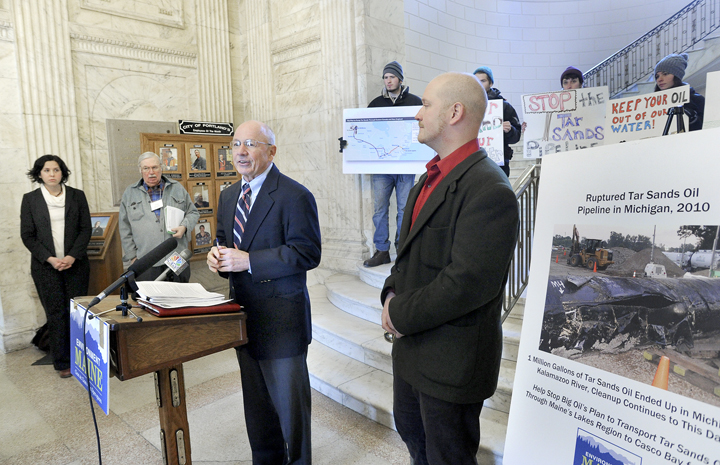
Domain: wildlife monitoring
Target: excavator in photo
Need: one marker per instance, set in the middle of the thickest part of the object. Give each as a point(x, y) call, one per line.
point(589, 255)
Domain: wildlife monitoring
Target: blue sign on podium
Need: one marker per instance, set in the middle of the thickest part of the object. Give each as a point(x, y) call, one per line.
point(93, 371)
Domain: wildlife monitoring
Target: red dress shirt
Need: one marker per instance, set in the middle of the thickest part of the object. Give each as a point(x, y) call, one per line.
point(437, 169)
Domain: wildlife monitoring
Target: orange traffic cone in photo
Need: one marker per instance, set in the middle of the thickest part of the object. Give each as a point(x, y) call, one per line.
point(557, 257)
point(662, 373)
point(595, 267)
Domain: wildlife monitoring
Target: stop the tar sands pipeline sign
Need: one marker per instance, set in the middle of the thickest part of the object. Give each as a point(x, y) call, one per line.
point(205, 128)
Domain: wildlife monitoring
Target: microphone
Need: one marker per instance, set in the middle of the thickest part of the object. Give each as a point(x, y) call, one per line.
point(139, 267)
point(146, 262)
point(177, 263)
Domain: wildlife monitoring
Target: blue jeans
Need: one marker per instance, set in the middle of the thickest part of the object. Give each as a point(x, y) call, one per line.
point(382, 186)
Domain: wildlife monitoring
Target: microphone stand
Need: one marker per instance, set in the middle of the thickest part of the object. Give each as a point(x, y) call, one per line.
point(125, 306)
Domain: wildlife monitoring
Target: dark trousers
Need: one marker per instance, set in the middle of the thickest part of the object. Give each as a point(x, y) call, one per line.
point(55, 289)
point(506, 168)
point(156, 271)
point(276, 397)
point(436, 432)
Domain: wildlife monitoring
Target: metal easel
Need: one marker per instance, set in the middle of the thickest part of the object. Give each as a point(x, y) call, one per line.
point(673, 112)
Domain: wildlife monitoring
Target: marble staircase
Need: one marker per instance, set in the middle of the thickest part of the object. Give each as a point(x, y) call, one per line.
point(349, 359)
point(518, 163)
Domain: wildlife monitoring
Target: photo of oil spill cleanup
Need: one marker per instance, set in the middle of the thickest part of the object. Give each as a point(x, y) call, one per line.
point(620, 299)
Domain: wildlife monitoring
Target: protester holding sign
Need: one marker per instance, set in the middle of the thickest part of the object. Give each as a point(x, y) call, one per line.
point(564, 120)
point(394, 94)
point(571, 78)
point(511, 123)
point(669, 73)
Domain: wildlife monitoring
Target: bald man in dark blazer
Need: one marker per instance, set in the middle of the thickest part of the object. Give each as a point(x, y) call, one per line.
point(266, 260)
point(443, 298)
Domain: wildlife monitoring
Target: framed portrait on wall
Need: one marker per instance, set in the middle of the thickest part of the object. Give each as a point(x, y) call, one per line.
point(103, 226)
point(203, 196)
point(221, 185)
point(100, 224)
point(170, 159)
point(198, 165)
point(203, 236)
point(224, 167)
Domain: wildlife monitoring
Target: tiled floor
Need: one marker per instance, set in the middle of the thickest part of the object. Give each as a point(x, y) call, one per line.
point(47, 420)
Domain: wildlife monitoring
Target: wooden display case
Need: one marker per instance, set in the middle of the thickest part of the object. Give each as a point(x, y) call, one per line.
point(104, 251)
point(182, 157)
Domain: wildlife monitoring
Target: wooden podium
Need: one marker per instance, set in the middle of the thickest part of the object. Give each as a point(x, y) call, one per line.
point(161, 345)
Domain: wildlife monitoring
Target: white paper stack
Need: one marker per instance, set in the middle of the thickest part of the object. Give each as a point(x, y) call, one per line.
point(173, 218)
point(175, 295)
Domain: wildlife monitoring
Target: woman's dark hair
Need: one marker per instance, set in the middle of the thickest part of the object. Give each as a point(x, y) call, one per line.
point(677, 82)
point(34, 172)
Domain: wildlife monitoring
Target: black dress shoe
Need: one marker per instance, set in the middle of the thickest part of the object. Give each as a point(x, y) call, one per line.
point(380, 258)
point(65, 373)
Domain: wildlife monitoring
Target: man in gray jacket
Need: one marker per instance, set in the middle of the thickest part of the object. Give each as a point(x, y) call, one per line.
point(143, 216)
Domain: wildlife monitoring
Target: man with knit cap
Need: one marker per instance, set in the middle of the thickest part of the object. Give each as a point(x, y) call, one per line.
point(669, 73)
point(571, 78)
point(394, 94)
point(511, 123)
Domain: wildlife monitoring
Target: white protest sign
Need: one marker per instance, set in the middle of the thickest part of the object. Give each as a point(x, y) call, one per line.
point(588, 385)
point(491, 135)
point(564, 120)
point(643, 116)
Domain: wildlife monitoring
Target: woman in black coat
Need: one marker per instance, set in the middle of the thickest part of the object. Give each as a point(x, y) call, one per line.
point(669, 73)
point(55, 227)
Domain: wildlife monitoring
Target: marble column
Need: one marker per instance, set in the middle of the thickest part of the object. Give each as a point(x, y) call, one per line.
point(18, 304)
point(47, 84)
point(216, 103)
point(39, 106)
point(343, 239)
point(259, 91)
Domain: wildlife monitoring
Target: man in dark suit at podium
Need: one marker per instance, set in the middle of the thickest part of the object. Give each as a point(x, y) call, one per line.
point(268, 237)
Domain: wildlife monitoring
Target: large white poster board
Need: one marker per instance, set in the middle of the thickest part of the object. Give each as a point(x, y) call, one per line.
point(590, 340)
point(383, 141)
point(712, 100)
point(644, 116)
point(491, 135)
point(564, 120)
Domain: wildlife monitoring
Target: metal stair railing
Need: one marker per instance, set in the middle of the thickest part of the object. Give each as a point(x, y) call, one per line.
point(677, 34)
point(526, 191)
